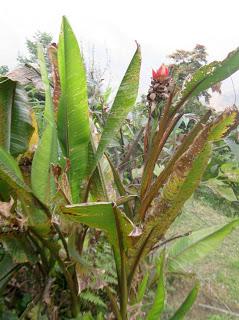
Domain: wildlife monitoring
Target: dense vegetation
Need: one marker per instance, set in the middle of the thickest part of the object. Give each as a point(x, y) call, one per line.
point(89, 193)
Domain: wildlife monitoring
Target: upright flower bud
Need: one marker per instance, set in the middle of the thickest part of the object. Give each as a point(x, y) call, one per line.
point(161, 74)
point(161, 85)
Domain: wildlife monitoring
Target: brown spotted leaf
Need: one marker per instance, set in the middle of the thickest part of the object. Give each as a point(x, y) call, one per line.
point(185, 177)
point(224, 124)
point(25, 75)
point(52, 53)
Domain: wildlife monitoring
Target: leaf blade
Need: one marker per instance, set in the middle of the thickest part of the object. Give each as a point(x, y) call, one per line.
point(73, 114)
point(159, 299)
point(15, 120)
point(122, 105)
point(187, 304)
point(102, 215)
point(196, 246)
point(208, 75)
point(41, 177)
point(11, 174)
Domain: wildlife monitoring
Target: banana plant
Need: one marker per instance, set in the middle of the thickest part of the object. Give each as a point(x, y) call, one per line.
point(51, 216)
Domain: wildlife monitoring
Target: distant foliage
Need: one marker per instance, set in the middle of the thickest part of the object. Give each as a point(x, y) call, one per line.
point(185, 63)
point(43, 38)
point(4, 70)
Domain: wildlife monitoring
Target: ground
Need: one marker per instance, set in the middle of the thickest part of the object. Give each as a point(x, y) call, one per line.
point(218, 273)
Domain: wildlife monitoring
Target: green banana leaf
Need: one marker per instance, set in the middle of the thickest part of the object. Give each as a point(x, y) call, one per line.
point(187, 304)
point(11, 174)
point(120, 187)
point(106, 217)
point(42, 180)
point(230, 170)
point(123, 103)
point(234, 147)
point(15, 117)
point(18, 247)
point(41, 177)
point(97, 183)
point(190, 249)
point(142, 288)
point(159, 299)
point(85, 316)
point(208, 75)
point(221, 189)
point(7, 268)
point(73, 115)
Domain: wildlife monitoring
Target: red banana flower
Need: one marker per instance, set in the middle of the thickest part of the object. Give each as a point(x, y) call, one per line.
point(161, 73)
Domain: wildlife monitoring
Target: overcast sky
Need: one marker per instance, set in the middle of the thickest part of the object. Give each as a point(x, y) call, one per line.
point(159, 26)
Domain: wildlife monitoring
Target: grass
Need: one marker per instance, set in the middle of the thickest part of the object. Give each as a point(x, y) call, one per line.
point(219, 272)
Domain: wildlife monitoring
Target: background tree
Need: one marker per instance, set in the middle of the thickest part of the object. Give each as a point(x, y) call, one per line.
point(43, 38)
point(4, 70)
point(184, 64)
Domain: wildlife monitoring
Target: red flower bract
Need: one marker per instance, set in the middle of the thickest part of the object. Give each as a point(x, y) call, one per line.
point(161, 73)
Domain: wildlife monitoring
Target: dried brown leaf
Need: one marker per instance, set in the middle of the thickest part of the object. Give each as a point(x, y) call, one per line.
point(52, 53)
point(25, 75)
point(5, 208)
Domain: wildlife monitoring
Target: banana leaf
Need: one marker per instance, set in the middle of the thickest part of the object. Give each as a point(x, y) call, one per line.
point(42, 180)
point(73, 115)
point(193, 248)
point(15, 117)
point(123, 103)
point(187, 304)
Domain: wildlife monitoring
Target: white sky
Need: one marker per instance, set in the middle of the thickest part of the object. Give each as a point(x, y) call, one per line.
point(159, 26)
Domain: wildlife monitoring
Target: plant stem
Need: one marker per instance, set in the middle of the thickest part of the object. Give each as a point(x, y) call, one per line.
point(114, 305)
point(122, 141)
point(171, 239)
point(56, 227)
point(160, 180)
point(69, 280)
point(30, 305)
point(123, 275)
point(159, 140)
point(132, 148)
point(137, 260)
point(45, 264)
point(63, 240)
